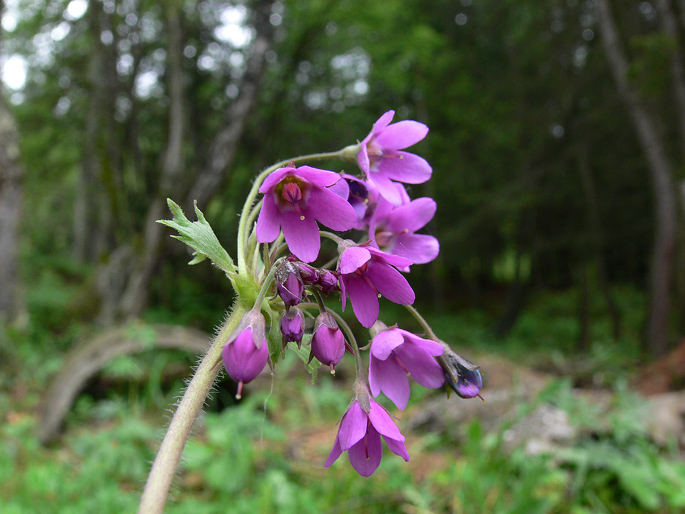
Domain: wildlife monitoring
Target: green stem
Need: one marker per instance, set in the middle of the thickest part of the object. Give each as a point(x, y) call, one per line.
point(249, 201)
point(424, 324)
point(169, 454)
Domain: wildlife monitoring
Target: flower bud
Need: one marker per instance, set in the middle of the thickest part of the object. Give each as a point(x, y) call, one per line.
point(292, 326)
point(328, 342)
point(246, 352)
point(461, 375)
point(289, 283)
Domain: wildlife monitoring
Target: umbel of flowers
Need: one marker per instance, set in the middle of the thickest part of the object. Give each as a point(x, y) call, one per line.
point(280, 284)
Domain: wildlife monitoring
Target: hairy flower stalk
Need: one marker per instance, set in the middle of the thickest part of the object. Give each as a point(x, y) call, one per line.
point(277, 274)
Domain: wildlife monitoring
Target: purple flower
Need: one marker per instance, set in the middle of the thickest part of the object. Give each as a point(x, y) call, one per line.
point(246, 351)
point(396, 352)
point(328, 342)
point(292, 326)
point(366, 273)
point(392, 229)
point(294, 200)
point(360, 435)
point(382, 161)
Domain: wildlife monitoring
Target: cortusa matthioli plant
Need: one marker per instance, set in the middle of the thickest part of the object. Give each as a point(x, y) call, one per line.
point(278, 286)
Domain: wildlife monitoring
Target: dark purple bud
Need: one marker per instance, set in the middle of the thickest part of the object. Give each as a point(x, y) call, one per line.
point(292, 326)
point(327, 281)
point(308, 273)
point(246, 351)
point(289, 283)
point(328, 342)
point(461, 375)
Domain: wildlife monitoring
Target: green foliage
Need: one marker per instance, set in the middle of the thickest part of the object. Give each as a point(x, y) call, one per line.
point(199, 236)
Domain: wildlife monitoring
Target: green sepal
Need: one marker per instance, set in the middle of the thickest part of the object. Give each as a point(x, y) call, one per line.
point(200, 237)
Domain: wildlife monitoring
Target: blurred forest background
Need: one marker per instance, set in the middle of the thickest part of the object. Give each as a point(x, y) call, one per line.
point(557, 140)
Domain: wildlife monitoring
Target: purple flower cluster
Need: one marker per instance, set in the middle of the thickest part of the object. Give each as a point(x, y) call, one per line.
point(376, 203)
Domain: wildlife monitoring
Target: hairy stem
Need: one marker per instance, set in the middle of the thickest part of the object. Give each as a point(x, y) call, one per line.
point(169, 454)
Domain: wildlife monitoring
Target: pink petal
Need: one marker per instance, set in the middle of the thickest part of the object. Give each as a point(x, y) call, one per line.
point(331, 210)
point(318, 177)
point(418, 248)
point(336, 451)
point(340, 188)
point(388, 258)
point(363, 158)
point(353, 426)
point(274, 178)
point(412, 216)
point(382, 422)
point(268, 222)
point(386, 187)
point(401, 135)
point(430, 347)
point(373, 373)
point(410, 169)
point(398, 448)
point(302, 235)
point(365, 456)
point(383, 122)
point(352, 259)
point(391, 284)
point(364, 300)
point(423, 368)
point(393, 381)
point(385, 342)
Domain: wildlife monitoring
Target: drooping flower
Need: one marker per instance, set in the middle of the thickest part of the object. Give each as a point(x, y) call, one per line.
point(396, 352)
point(365, 273)
point(292, 326)
point(294, 200)
point(461, 375)
point(361, 428)
point(246, 351)
point(328, 342)
point(393, 228)
point(382, 161)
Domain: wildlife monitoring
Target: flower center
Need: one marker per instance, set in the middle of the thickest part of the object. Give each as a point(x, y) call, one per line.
point(384, 238)
point(291, 192)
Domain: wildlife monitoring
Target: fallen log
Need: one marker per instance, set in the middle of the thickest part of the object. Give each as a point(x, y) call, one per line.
point(86, 360)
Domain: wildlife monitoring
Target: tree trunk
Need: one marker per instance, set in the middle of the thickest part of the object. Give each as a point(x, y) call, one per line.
point(596, 238)
point(225, 144)
point(140, 268)
point(11, 176)
point(657, 333)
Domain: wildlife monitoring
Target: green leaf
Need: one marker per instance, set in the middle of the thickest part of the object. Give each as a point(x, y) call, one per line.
point(200, 237)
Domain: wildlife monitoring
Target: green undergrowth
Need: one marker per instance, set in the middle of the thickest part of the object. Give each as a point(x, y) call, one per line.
point(266, 454)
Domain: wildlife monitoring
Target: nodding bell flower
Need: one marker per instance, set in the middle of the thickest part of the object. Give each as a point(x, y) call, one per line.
point(461, 375)
point(246, 351)
point(361, 428)
point(328, 342)
point(382, 161)
point(292, 326)
point(392, 228)
point(365, 274)
point(394, 354)
point(289, 283)
point(294, 200)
